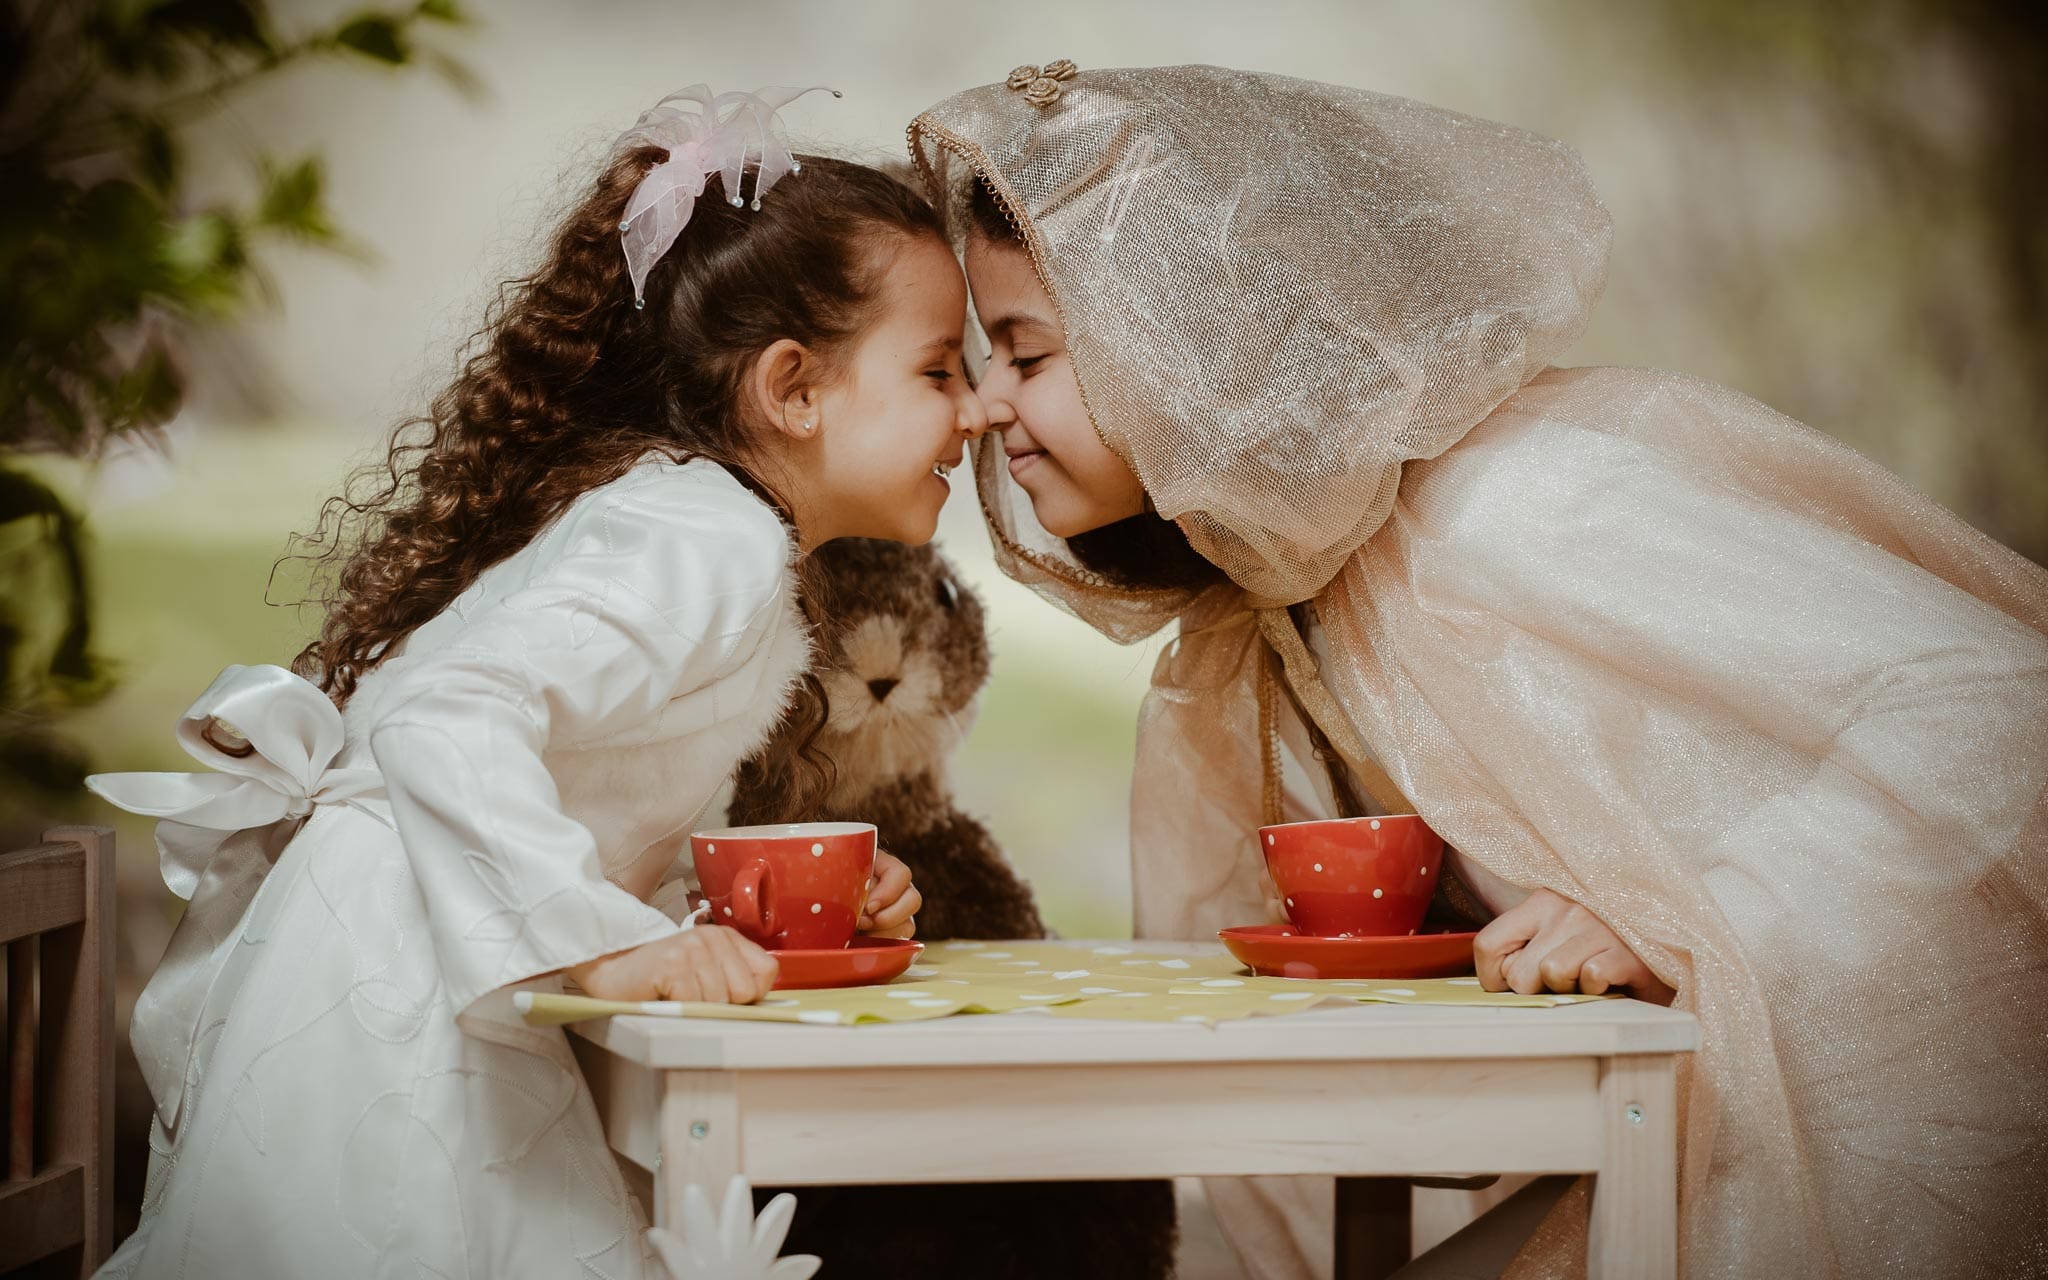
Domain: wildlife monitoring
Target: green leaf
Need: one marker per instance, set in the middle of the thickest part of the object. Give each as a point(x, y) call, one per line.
point(72, 664)
point(441, 11)
point(458, 76)
point(156, 153)
point(375, 36)
point(292, 200)
point(148, 392)
point(199, 243)
point(206, 259)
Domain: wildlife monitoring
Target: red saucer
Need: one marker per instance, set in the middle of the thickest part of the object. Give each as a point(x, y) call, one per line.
point(1282, 951)
point(859, 963)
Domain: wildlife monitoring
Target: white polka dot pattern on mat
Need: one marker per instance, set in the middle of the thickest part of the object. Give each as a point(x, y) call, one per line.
point(1173, 964)
point(1397, 991)
point(1041, 996)
point(931, 1002)
point(826, 1016)
point(995, 955)
point(1293, 995)
point(1221, 982)
point(1113, 951)
point(1462, 982)
point(1067, 975)
point(1098, 991)
point(905, 995)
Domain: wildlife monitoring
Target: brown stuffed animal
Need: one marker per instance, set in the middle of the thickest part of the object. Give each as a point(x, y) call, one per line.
point(902, 655)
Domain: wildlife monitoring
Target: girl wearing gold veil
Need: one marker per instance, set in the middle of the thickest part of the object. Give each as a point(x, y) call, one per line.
point(1627, 640)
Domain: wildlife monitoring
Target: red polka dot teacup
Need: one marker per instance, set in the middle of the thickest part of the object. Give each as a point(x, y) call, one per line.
point(794, 885)
point(1354, 877)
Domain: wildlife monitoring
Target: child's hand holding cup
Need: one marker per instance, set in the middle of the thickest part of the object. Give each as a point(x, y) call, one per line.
point(806, 885)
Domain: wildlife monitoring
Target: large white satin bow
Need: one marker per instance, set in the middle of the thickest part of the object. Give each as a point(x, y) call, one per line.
point(714, 134)
point(272, 739)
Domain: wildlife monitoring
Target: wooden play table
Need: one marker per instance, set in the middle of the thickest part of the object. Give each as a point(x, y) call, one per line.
point(1367, 1093)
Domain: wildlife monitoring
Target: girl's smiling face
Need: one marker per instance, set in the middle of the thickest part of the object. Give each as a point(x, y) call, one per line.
point(1033, 398)
point(866, 446)
point(905, 407)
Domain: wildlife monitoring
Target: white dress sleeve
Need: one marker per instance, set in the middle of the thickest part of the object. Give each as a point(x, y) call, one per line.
point(647, 590)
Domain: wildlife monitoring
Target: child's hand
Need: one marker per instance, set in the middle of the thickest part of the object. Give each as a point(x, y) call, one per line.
point(709, 963)
point(1550, 943)
point(892, 900)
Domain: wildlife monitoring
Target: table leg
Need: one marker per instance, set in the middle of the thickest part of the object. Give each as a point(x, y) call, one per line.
point(700, 1140)
point(1633, 1231)
point(1373, 1216)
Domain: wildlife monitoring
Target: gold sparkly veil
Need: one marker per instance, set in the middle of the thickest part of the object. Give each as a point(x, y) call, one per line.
point(1777, 718)
point(1200, 229)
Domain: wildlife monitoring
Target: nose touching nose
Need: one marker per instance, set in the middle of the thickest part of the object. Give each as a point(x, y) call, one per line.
point(975, 418)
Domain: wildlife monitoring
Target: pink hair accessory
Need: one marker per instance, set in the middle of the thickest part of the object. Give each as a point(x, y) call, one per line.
point(703, 134)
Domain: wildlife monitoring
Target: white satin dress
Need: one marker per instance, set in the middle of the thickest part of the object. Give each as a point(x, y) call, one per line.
point(342, 1089)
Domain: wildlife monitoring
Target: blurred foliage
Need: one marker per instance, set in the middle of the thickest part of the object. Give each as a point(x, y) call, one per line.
point(105, 264)
point(1938, 109)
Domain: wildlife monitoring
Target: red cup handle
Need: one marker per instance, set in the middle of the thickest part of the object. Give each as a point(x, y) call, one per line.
point(753, 901)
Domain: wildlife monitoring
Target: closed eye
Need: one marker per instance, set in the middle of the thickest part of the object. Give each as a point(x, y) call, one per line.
point(1025, 362)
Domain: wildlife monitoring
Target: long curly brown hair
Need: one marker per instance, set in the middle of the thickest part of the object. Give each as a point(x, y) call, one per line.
point(568, 384)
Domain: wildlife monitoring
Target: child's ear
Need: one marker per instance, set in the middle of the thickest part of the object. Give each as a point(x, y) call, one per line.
point(783, 388)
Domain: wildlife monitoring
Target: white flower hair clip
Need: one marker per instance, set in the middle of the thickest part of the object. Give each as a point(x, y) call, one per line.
point(703, 134)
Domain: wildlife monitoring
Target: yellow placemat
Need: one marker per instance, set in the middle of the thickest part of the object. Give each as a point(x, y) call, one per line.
point(1062, 980)
point(905, 1000)
point(1131, 983)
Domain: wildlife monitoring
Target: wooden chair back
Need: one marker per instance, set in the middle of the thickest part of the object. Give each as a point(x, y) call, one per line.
point(57, 922)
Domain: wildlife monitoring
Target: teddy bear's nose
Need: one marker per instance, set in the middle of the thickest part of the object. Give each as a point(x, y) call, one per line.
point(882, 688)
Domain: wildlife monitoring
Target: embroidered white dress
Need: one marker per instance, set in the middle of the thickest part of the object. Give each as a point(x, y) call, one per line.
point(342, 1089)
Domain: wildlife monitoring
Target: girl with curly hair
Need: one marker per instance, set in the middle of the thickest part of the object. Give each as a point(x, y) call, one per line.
point(574, 606)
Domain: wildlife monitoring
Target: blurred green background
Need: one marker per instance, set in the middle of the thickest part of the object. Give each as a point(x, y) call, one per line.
point(1832, 206)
